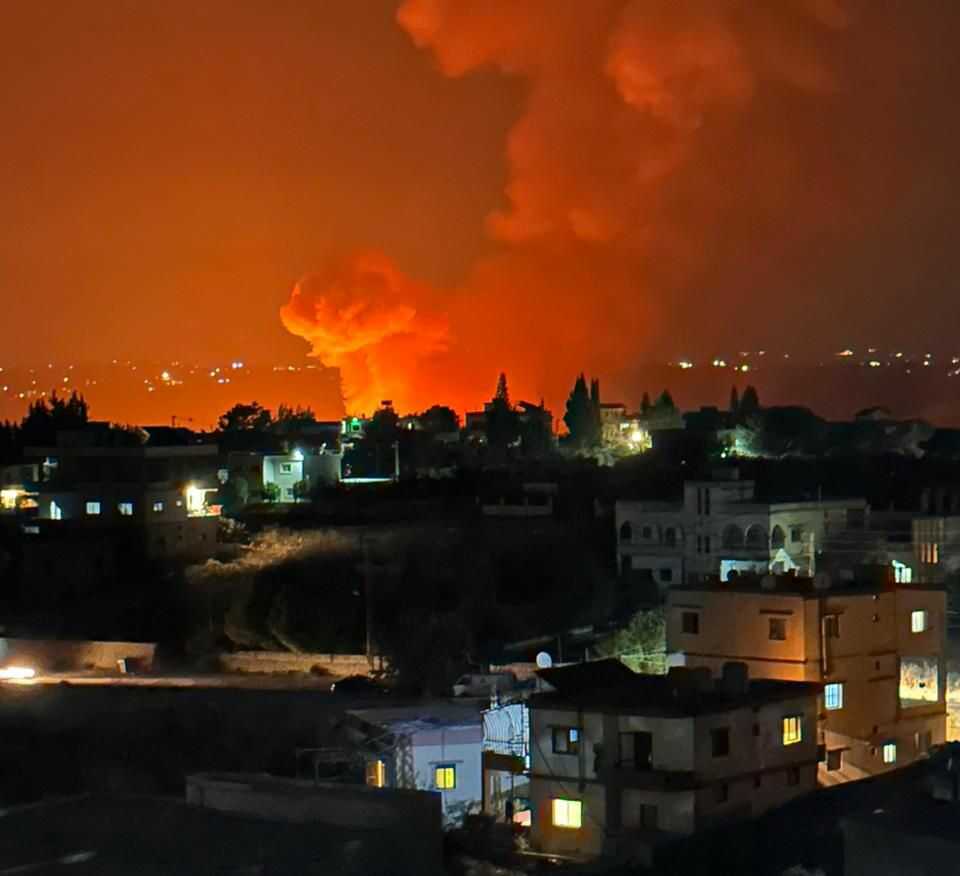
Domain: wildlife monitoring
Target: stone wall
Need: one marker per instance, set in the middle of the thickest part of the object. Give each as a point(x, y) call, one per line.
point(286, 661)
point(57, 655)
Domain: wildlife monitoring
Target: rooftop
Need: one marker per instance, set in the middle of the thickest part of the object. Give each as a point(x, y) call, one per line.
point(870, 580)
point(96, 834)
point(608, 685)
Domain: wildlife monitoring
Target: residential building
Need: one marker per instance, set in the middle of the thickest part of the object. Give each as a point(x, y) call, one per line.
point(623, 763)
point(529, 500)
point(876, 645)
point(163, 496)
point(506, 761)
point(720, 527)
point(430, 748)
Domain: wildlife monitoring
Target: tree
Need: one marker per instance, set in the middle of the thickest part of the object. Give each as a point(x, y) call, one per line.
point(596, 424)
point(246, 418)
point(294, 418)
point(503, 427)
point(502, 394)
point(44, 420)
point(439, 419)
point(734, 401)
point(665, 403)
point(536, 434)
point(581, 416)
point(271, 492)
point(384, 427)
point(749, 402)
point(642, 644)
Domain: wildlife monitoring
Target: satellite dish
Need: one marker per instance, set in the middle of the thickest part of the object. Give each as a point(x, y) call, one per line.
point(544, 660)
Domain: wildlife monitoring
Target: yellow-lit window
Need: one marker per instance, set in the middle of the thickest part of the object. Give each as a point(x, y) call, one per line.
point(567, 813)
point(889, 752)
point(376, 774)
point(445, 776)
point(792, 729)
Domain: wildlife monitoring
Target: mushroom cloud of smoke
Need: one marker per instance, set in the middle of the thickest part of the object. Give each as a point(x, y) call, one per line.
point(671, 157)
point(362, 316)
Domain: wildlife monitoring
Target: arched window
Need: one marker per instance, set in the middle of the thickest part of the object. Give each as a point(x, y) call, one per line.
point(777, 537)
point(626, 531)
point(757, 538)
point(732, 536)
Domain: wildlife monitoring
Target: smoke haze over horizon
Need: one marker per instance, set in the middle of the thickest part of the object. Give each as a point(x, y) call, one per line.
point(459, 187)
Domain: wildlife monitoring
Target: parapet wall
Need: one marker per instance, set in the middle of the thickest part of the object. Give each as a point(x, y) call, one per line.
point(59, 655)
point(286, 661)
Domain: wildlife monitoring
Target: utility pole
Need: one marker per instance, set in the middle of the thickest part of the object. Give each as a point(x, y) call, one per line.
point(366, 568)
point(396, 460)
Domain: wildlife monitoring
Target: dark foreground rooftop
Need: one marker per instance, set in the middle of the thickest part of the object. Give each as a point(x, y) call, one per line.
point(124, 835)
point(608, 685)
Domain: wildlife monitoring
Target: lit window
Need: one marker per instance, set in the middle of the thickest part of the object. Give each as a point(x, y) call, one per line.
point(125, 509)
point(56, 512)
point(93, 508)
point(889, 752)
point(567, 813)
point(792, 729)
point(833, 696)
point(566, 740)
point(158, 506)
point(918, 621)
point(778, 629)
point(445, 776)
point(376, 774)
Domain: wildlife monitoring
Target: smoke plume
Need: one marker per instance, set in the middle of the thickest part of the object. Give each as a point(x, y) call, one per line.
point(672, 163)
point(363, 316)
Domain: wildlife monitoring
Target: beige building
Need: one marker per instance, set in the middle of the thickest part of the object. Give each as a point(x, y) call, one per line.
point(621, 762)
point(719, 527)
point(877, 647)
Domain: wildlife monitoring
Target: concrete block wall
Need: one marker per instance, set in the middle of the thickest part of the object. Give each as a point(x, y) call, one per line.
point(286, 661)
point(56, 655)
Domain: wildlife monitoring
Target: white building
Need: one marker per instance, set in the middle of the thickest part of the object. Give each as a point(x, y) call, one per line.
point(622, 762)
point(429, 748)
point(720, 527)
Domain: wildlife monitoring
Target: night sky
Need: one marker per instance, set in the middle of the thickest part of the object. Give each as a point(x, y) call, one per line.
point(464, 186)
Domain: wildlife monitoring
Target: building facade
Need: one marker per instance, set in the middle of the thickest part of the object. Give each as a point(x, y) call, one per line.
point(426, 748)
point(622, 763)
point(719, 528)
point(877, 646)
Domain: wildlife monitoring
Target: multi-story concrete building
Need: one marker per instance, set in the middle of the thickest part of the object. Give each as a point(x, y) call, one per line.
point(876, 645)
point(719, 527)
point(163, 497)
point(623, 762)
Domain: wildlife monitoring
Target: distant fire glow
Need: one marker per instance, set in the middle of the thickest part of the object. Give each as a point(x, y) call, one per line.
point(363, 316)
